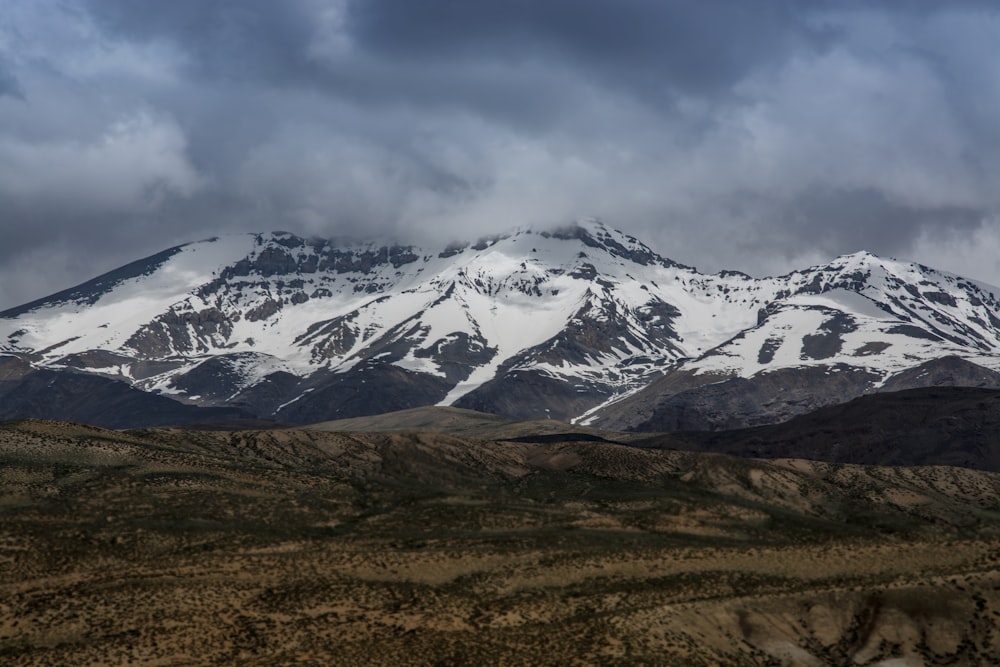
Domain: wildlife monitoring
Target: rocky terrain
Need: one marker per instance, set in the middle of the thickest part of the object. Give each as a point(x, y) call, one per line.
point(581, 323)
point(487, 542)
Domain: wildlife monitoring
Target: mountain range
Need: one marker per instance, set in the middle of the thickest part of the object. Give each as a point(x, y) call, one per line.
point(582, 323)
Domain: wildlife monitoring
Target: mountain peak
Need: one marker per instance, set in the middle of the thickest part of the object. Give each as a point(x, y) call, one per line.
point(860, 256)
point(594, 233)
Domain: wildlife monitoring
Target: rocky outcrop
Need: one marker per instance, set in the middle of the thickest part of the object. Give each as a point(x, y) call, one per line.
point(181, 331)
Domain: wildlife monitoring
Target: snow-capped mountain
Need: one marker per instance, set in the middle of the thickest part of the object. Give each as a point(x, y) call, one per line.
point(827, 334)
point(580, 322)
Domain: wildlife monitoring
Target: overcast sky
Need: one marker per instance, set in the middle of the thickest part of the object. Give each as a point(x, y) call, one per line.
point(756, 135)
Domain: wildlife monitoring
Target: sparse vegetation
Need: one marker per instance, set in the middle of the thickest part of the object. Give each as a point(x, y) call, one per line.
point(168, 547)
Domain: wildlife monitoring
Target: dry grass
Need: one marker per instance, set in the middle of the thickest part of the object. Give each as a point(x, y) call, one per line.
point(174, 548)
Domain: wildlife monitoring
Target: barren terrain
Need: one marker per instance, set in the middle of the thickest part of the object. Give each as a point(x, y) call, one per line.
point(169, 547)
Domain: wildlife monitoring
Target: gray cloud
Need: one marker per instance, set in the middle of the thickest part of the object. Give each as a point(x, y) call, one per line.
point(839, 221)
point(9, 85)
point(239, 40)
point(650, 46)
point(794, 130)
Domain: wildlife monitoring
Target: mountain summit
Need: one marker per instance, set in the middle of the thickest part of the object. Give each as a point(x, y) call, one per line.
point(579, 322)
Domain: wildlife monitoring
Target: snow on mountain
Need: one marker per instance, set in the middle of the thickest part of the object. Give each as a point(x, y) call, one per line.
point(826, 334)
point(102, 312)
point(529, 323)
point(864, 311)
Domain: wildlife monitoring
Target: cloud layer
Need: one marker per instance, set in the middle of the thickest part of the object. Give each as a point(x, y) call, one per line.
point(754, 136)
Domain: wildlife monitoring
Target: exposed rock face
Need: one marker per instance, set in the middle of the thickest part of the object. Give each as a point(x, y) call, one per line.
point(291, 255)
point(185, 331)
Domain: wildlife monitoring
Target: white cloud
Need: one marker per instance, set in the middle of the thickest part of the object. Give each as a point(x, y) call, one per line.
point(842, 122)
point(131, 166)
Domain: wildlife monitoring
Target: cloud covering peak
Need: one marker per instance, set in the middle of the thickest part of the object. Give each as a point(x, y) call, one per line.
point(728, 134)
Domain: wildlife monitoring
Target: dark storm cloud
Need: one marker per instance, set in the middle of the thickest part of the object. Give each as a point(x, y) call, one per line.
point(442, 53)
point(651, 46)
point(793, 129)
point(234, 39)
point(695, 46)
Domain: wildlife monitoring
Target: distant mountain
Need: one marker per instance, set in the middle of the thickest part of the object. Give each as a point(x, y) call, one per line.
point(583, 322)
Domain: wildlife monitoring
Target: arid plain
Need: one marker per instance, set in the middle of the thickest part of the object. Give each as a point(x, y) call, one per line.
point(481, 543)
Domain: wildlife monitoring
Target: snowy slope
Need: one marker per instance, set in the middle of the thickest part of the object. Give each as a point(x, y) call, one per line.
point(864, 311)
point(826, 334)
point(529, 323)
